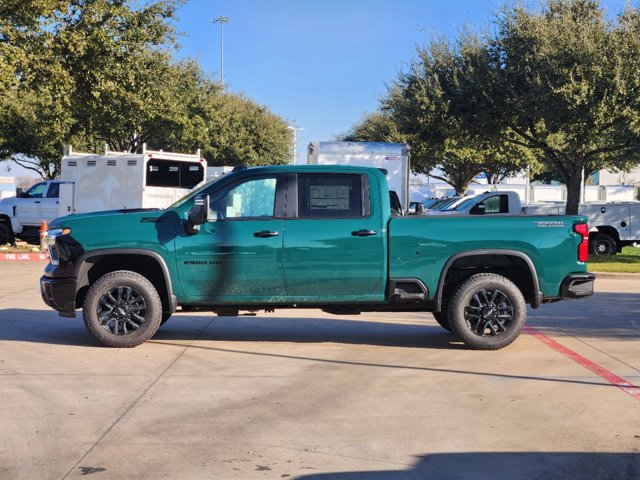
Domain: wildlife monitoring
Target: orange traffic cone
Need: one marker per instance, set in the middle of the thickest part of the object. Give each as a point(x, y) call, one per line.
point(43, 235)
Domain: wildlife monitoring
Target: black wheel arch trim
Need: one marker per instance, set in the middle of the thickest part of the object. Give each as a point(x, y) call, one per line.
point(537, 294)
point(83, 266)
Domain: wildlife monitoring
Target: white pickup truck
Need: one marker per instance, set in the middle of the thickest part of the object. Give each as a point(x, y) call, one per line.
point(23, 214)
point(612, 226)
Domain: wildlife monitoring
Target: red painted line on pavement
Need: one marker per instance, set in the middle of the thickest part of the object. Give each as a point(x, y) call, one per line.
point(23, 257)
point(602, 372)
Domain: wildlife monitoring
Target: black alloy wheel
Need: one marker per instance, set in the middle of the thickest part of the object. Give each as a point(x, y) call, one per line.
point(488, 312)
point(121, 310)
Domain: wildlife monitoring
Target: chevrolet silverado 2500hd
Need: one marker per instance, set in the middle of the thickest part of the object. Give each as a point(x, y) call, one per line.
point(313, 237)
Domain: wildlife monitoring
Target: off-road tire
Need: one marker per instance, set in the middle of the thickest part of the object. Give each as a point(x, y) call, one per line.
point(122, 309)
point(487, 312)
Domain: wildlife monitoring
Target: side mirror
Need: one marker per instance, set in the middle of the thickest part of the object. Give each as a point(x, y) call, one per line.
point(478, 209)
point(19, 193)
point(419, 209)
point(198, 214)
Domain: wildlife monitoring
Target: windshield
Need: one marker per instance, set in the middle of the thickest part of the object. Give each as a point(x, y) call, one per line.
point(446, 204)
point(192, 193)
point(461, 206)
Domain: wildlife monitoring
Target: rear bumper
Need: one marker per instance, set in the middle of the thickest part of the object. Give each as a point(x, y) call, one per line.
point(577, 285)
point(60, 294)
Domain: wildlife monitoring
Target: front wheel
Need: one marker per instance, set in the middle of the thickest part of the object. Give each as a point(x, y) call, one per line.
point(122, 309)
point(6, 234)
point(487, 312)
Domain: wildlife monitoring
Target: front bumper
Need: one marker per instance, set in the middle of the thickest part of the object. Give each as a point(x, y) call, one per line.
point(60, 294)
point(577, 285)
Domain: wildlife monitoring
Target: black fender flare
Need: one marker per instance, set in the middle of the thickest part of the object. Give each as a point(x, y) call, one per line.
point(83, 265)
point(537, 294)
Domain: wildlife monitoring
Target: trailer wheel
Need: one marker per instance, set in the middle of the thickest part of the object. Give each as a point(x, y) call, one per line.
point(122, 309)
point(487, 312)
point(602, 244)
point(6, 234)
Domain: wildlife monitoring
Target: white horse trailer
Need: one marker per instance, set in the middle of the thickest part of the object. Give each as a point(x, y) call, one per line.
point(124, 181)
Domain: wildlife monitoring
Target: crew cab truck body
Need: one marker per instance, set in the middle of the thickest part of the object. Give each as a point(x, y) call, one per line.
point(309, 236)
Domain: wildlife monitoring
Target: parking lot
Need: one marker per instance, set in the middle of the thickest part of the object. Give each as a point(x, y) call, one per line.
point(305, 395)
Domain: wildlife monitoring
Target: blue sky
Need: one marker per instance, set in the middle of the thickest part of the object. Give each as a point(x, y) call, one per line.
point(320, 64)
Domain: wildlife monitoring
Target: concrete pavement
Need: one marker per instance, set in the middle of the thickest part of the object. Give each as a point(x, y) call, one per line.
point(301, 394)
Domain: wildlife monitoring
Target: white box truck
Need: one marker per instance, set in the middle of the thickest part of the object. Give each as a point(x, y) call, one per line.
point(95, 182)
point(391, 157)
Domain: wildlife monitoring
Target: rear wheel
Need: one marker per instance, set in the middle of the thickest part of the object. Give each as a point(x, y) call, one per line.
point(122, 309)
point(602, 244)
point(487, 312)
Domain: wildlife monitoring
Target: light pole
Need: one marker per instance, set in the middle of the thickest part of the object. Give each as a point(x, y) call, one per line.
point(221, 20)
point(295, 131)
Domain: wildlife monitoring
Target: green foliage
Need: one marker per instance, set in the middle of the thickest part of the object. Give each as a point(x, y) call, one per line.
point(89, 72)
point(245, 133)
point(555, 89)
point(428, 107)
point(563, 84)
point(375, 127)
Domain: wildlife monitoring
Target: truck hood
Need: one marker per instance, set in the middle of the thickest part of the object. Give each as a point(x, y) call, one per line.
point(7, 203)
point(130, 229)
point(80, 218)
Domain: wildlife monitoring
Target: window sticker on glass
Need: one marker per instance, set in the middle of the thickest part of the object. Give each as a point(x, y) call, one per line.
point(329, 196)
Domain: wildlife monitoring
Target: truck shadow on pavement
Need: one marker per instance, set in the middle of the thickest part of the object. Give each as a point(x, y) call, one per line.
point(42, 326)
point(320, 330)
point(494, 465)
point(605, 316)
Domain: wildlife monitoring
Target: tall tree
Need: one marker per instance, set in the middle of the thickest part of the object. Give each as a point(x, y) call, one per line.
point(90, 72)
point(427, 107)
point(78, 71)
point(564, 84)
point(245, 133)
point(375, 127)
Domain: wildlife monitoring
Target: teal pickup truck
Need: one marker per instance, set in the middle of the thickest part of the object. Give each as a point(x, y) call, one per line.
point(315, 237)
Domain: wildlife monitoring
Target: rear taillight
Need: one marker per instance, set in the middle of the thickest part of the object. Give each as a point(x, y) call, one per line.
point(583, 248)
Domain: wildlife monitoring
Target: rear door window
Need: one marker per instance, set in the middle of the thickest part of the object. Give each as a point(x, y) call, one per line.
point(323, 195)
